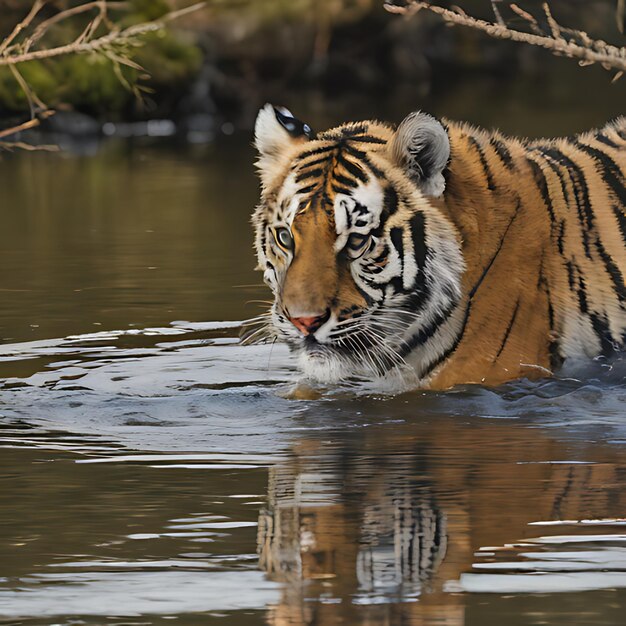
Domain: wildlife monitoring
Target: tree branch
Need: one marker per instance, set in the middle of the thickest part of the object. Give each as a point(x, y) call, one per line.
point(578, 45)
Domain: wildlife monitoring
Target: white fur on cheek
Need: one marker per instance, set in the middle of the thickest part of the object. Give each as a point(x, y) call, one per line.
point(349, 216)
point(371, 196)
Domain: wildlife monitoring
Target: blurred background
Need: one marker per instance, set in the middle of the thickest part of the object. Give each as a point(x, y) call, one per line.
point(142, 217)
point(332, 59)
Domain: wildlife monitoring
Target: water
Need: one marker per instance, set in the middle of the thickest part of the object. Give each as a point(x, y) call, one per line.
point(151, 470)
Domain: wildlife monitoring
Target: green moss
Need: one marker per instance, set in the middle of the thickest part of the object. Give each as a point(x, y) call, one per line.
point(37, 75)
point(147, 10)
point(89, 82)
point(92, 82)
point(167, 58)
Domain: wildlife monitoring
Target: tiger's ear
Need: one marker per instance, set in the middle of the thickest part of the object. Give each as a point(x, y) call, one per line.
point(276, 131)
point(422, 147)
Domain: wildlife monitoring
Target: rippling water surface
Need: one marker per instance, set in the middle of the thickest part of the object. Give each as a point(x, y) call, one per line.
point(152, 471)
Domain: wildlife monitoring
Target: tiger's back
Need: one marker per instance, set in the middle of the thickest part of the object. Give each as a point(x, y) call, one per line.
point(544, 232)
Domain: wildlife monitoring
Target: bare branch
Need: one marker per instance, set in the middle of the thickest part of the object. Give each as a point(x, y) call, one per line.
point(554, 27)
point(25, 23)
point(14, 145)
point(578, 46)
point(7, 132)
point(496, 12)
point(44, 26)
point(525, 15)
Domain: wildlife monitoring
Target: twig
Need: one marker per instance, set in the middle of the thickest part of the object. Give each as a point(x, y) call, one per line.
point(22, 25)
point(580, 47)
point(554, 27)
point(12, 145)
point(525, 15)
point(496, 12)
point(6, 132)
point(43, 27)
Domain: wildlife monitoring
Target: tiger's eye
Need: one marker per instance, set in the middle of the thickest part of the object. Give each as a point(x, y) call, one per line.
point(283, 238)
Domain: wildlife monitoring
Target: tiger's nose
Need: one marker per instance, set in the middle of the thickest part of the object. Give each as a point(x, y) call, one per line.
point(308, 325)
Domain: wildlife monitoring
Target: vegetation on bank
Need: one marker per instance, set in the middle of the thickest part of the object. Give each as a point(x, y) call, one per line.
point(101, 83)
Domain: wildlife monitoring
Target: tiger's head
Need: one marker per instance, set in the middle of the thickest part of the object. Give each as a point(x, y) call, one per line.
point(364, 267)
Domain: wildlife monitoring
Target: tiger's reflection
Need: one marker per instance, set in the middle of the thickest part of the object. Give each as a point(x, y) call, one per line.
point(395, 538)
point(369, 531)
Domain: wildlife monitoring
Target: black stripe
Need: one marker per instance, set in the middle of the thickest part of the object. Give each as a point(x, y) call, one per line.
point(309, 174)
point(483, 161)
point(368, 139)
point(390, 202)
point(339, 189)
point(507, 332)
point(419, 289)
point(315, 152)
point(353, 168)
point(362, 156)
point(425, 333)
point(503, 152)
point(570, 275)
point(344, 180)
point(601, 328)
point(602, 138)
point(581, 194)
point(312, 162)
point(357, 129)
point(611, 172)
point(396, 234)
point(560, 238)
point(556, 359)
point(577, 286)
point(621, 220)
point(542, 184)
point(308, 188)
point(614, 272)
point(581, 292)
point(418, 235)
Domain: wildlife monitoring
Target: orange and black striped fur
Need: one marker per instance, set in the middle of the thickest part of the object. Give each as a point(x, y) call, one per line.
point(440, 252)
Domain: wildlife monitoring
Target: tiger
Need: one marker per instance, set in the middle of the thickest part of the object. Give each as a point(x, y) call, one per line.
point(439, 253)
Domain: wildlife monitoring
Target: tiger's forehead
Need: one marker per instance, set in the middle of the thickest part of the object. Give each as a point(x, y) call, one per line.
point(335, 175)
point(355, 209)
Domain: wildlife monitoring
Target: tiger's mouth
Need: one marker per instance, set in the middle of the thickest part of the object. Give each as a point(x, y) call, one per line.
point(357, 349)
